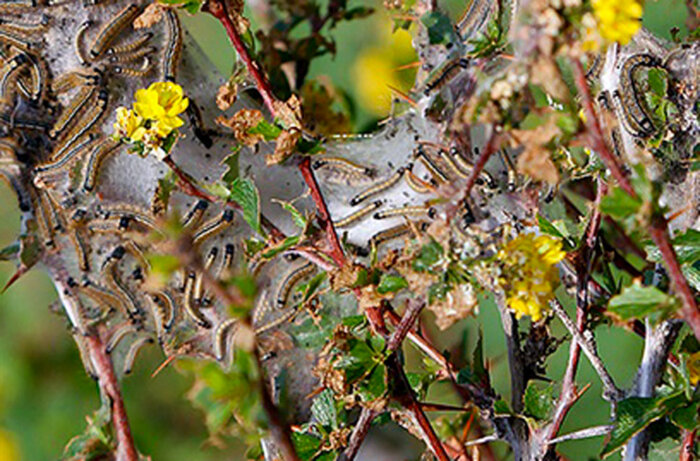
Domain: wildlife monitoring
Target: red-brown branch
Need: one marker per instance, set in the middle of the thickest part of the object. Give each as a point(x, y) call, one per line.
point(568, 395)
point(107, 380)
point(336, 251)
point(488, 151)
point(687, 446)
point(658, 226)
point(219, 10)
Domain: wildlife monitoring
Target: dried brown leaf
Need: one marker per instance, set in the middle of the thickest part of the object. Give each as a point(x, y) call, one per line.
point(150, 16)
point(241, 123)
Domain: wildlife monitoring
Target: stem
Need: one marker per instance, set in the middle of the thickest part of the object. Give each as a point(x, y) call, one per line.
point(324, 216)
point(488, 151)
point(569, 394)
point(219, 10)
point(611, 392)
point(687, 446)
point(413, 310)
point(518, 380)
point(126, 451)
point(359, 432)
point(658, 226)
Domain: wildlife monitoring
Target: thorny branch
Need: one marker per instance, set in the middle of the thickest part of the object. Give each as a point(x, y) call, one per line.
point(219, 10)
point(107, 380)
point(658, 227)
point(611, 392)
point(569, 394)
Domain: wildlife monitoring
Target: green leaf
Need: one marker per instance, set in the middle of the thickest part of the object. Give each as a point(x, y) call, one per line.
point(357, 13)
point(478, 367)
point(284, 246)
point(323, 409)
point(374, 386)
point(430, 254)
point(531, 121)
point(391, 284)
point(619, 204)
point(636, 413)
point(164, 190)
point(244, 193)
point(439, 26)
point(637, 301)
point(686, 245)
point(306, 445)
point(312, 286)
point(358, 361)
point(163, 265)
point(354, 321)
point(266, 129)
point(10, 252)
point(232, 163)
point(686, 417)
point(500, 407)
point(299, 219)
point(658, 81)
point(538, 402)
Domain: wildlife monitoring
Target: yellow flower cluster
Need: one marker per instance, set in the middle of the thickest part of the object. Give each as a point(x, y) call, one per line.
point(615, 21)
point(529, 274)
point(153, 118)
point(694, 368)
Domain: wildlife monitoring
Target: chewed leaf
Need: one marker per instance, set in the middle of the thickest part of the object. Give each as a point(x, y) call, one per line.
point(244, 193)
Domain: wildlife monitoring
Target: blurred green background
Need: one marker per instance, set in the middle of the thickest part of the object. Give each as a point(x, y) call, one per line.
point(45, 394)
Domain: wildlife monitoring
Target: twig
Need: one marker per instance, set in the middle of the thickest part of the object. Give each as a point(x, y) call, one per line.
point(413, 310)
point(126, 451)
point(310, 255)
point(482, 440)
point(611, 392)
point(568, 395)
point(658, 227)
point(488, 151)
point(219, 10)
point(359, 432)
point(324, 216)
point(583, 434)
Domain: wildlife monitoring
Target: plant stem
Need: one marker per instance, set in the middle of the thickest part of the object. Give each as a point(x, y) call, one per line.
point(219, 10)
point(488, 151)
point(336, 251)
point(107, 380)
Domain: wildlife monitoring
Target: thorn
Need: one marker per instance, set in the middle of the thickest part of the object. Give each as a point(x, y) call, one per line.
point(403, 96)
point(410, 65)
point(162, 366)
point(20, 272)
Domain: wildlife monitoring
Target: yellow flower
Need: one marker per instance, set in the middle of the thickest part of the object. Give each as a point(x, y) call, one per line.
point(129, 124)
point(618, 20)
point(162, 102)
point(529, 273)
point(694, 368)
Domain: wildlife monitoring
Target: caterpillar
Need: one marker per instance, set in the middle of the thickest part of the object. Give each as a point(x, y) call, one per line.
point(81, 250)
point(191, 310)
point(430, 212)
point(345, 165)
point(94, 160)
point(199, 282)
point(434, 170)
point(119, 334)
point(59, 164)
point(133, 56)
point(512, 180)
point(223, 331)
point(394, 233)
point(484, 177)
point(85, 124)
point(10, 71)
point(131, 46)
point(78, 41)
point(85, 356)
point(225, 266)
point(378, 188)
point(69, 114)
point(444, 74)
point(116, 284)
point(110, 30)
point(37, 71)
point(134, 349)
point(449, 161)
point(213, 227)
point(473, 18)
point(134, 73)
point(130, 212)
point(195, 214)
point(133, 249)
point(417, 184)
point(163, 311)
point(70, 80)
point(173, 49)
point(100, 294)
point(9, 38)
point(359, 214)
point(290, 281)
